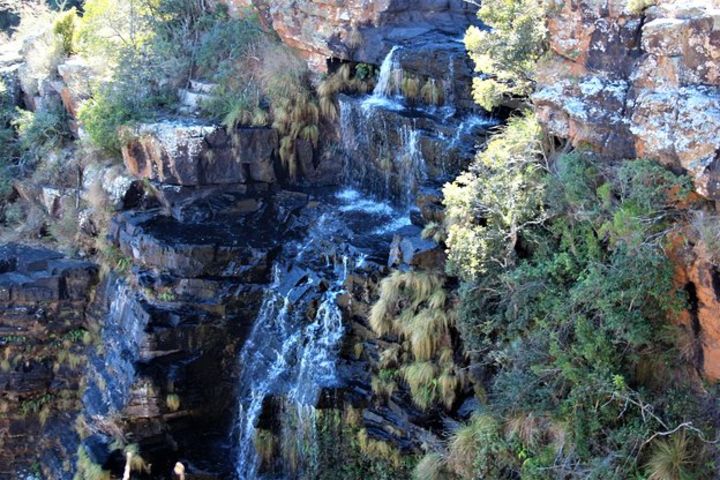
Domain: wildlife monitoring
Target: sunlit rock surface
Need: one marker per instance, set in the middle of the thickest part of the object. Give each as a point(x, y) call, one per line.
point(628, 86)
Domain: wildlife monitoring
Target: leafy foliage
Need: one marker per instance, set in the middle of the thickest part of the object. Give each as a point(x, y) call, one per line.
point(568, 312)
point(64, 26)
point(347, 452)
point(488, 206)
point(507, 53)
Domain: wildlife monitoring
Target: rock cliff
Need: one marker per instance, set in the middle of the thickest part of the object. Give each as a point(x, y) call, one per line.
point(46, 337)
point(629, 86)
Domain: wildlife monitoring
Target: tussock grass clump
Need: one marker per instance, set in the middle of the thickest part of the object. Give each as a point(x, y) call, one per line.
point(86, 469)
point(448, 384)
point(344, 80)
point(467, 441)
point(671, 458)
point(135, 461)
point(378, 448)
point(265, 444)
point(383, 386)
point(410, 88)
point(172, 400)
point(380, 321)
point(432, 93)
point(420, 377)
point(431, 467)
point(354, 37)
point(414, 307)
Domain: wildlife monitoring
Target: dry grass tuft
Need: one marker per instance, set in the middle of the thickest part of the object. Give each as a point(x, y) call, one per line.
point(671, 458)
point(431, 467)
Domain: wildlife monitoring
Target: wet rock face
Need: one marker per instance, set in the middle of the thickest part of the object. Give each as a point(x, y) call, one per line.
point(186, 153)
point(393, 152)
point(630, 87)
point(43, 330)
point(172, 328)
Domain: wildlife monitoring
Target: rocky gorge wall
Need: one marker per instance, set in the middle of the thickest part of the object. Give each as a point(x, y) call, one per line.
point(200, 216)
point(47, 336)
point(629, 85)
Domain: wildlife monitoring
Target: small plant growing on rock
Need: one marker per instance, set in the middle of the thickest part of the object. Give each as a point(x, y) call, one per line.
point(354, 37)
point(86, 469)
point(432, 93)
point(431, 467)
point(265, 445)
point(410, 88)
point(134, 462)
point(671, 458)
point(414, 306)
point(636, 7)
point(378, 448)
point(64, 26)
point(172, 401)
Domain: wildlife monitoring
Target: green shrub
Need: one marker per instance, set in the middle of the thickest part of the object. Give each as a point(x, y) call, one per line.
point(488, 207)
point(42, 131)
point(110, 27)
point(103, 115)
point(64, 27)
point(577, 312)
point(506, 53)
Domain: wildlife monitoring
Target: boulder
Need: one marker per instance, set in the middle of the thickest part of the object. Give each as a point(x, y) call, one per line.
point(75, 87)
point(410, 249)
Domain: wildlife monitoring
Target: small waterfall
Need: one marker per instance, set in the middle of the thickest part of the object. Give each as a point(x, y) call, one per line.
point(411, 163)
point(288, 356)
point(387, 78)
point(383, 159)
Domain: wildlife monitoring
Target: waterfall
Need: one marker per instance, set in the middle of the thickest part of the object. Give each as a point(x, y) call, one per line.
point(389, 68)
point(289, 356)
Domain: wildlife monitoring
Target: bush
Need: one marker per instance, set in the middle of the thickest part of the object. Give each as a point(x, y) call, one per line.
point(109, 28)
point(575, 314)
point(488, 207)
point(506, 53)
point(64, 27)
point(103, 115)
point(40, 132)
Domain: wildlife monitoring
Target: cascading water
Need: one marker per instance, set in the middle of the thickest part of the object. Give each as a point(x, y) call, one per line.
point(289, 356)
point(387, 77)
point(394, 146)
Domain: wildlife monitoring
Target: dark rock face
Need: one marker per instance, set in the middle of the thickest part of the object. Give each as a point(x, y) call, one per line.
point(186, 153)
point(173, 327)
point(43, 331)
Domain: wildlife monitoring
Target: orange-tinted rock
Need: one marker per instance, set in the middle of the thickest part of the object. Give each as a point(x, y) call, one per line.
point(696, 273)
point(356, 29)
